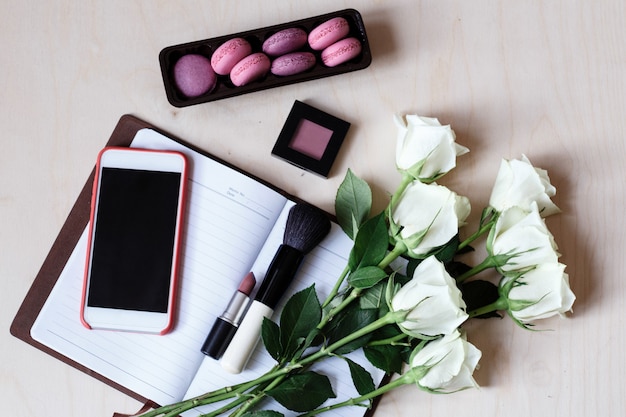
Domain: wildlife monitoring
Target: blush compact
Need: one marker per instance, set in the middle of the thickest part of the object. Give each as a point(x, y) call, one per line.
point(310, 139)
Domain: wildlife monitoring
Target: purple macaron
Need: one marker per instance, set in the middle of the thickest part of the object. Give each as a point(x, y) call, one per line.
point(194, 76)
point(293, 63)
point(285, 41)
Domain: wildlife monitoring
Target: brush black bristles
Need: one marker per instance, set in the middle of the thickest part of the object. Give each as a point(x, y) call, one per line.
point(306, 227)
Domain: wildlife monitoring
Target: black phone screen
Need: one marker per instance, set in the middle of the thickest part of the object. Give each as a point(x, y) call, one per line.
point(134, 239)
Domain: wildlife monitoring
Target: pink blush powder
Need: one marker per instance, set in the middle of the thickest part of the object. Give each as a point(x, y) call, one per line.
point(310, 139)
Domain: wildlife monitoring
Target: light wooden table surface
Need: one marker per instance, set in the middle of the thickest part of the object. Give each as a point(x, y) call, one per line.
point(543, 78)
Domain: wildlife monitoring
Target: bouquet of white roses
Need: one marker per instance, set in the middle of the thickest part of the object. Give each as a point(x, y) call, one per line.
point(408, 321)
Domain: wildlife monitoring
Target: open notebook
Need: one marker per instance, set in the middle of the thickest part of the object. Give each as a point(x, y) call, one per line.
point(234, 224)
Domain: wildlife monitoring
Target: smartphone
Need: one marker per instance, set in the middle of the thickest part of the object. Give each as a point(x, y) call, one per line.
point(134, 240)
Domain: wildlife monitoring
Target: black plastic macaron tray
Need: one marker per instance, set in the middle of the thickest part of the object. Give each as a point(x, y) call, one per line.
point(245, 62)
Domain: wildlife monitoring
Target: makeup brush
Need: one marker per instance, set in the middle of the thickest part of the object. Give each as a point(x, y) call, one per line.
point(305, 228)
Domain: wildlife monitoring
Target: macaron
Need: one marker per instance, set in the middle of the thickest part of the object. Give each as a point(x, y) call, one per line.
point(228, 54)
point(329, 32)
point(249, 69)
point(340, 52)
point(292, 64)
point(193, 75)
point(285, 41)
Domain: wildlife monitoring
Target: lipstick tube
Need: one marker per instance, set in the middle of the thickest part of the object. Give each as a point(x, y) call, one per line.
point(226, 324)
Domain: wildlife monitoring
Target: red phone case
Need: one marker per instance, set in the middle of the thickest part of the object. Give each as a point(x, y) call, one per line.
point(177, 244)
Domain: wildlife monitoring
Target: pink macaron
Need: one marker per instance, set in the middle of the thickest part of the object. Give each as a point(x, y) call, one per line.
point(249, 69)
point(285, 41)
point(193, 75)
point(340, 52)
point(329, 32)
point(228, 54)
point(292, 64)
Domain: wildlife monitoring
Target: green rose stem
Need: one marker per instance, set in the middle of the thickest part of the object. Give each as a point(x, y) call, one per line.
point(389, 318)
point(397, 340)
point(406, 180)
point(338, 284)
point(492, 261)
point(255, 398)
point(397, 251)
point(500, 304)
point(227, 407)
point(411, 376)
point(354, 294)
point(484, 227)
point(217, 395)
point(208, 398)
point(489, 262)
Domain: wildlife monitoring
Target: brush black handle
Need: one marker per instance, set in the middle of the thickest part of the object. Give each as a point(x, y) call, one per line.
point(279, 275)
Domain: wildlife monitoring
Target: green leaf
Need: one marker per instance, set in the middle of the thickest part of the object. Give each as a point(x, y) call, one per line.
point(371, 243)
point(464, 250)
point(353, 203)
point(270, 334)
point(362, 379)
point(263, 413)
point(352, 319)
point(373, 297)
point(366, 277)
point(303, 392)
point(385, 357)
point(479, 293)
point(402, 279)
point(314, 338)
point(300, 316)
point(387, 332)
point(411, 266)
point(456, 268)
point(446, 253)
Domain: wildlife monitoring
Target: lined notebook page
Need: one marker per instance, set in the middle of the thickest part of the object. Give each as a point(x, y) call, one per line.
point(229, 217)
point(322, 266)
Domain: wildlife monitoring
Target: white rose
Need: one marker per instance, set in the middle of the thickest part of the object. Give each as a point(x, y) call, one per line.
point(449, 364)
point(434, 303)
point(521, 240)
point(539, 293)
point(426, 217)
point(518, 183)
point(425, 149)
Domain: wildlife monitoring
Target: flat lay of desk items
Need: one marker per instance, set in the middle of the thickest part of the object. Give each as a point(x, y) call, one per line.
point(252, 266)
